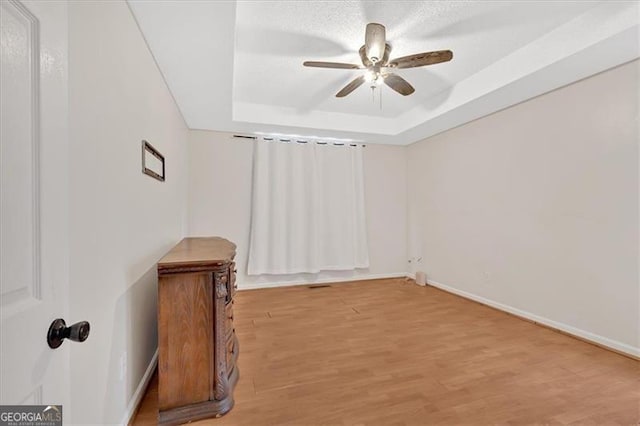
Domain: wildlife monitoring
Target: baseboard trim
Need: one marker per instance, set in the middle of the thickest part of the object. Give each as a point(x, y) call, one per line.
point(586, 336)
point(136, 399)
point(253, 286)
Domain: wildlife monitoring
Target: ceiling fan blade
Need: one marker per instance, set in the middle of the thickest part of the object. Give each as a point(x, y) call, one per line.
point(336, 65)
point(375, 41)
point(399, 84)
point(353, 85)
point(422, 59)
point(385, 55)
point(363, 56)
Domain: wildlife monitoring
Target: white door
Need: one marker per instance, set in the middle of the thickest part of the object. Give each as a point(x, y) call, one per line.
point(33, 201)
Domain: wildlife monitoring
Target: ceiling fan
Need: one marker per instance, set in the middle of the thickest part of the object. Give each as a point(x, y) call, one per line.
point(379, 69)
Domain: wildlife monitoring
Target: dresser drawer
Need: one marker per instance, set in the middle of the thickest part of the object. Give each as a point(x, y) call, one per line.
point(228, 319)
point(232, 353)
point(232, 280)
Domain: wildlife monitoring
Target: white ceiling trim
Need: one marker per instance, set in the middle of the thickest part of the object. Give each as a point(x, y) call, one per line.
point(541, 62)
point(269, 114)
point(613, 51)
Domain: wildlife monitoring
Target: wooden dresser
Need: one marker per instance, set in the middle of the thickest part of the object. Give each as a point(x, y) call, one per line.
point(198, 348)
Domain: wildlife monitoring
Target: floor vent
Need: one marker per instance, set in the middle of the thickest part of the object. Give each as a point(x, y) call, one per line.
point(314, 286)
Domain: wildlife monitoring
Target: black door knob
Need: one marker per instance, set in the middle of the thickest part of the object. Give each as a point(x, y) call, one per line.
point(58, 331)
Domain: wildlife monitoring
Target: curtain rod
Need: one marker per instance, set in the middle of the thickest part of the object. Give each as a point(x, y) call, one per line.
point(269, 139)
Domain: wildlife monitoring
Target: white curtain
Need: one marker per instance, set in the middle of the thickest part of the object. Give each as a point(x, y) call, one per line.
point(308, 210)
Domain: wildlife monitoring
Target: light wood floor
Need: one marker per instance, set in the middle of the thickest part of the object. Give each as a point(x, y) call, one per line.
point(390, 352)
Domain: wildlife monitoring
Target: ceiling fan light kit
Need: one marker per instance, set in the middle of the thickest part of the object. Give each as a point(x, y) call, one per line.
point(373, 77)
point(374, 55)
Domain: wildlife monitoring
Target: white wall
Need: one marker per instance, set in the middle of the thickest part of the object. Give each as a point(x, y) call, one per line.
point(122, 221)
point(536, 207)
point(220, 204)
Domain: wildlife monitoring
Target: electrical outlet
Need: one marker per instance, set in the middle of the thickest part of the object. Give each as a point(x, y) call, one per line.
point(123, 366)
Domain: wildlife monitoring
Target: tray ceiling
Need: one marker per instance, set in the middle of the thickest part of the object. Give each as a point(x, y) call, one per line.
point(237, 66)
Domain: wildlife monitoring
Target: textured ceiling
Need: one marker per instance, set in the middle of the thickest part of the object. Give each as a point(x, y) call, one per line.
point(272, 41)
point(238, 66)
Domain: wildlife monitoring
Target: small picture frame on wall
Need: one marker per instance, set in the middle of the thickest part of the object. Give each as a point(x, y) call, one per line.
point(152, 162)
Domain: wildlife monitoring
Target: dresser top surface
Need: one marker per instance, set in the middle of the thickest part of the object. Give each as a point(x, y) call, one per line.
point(201, 251)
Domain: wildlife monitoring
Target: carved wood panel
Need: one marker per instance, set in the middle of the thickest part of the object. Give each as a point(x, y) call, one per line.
point(221, 385)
